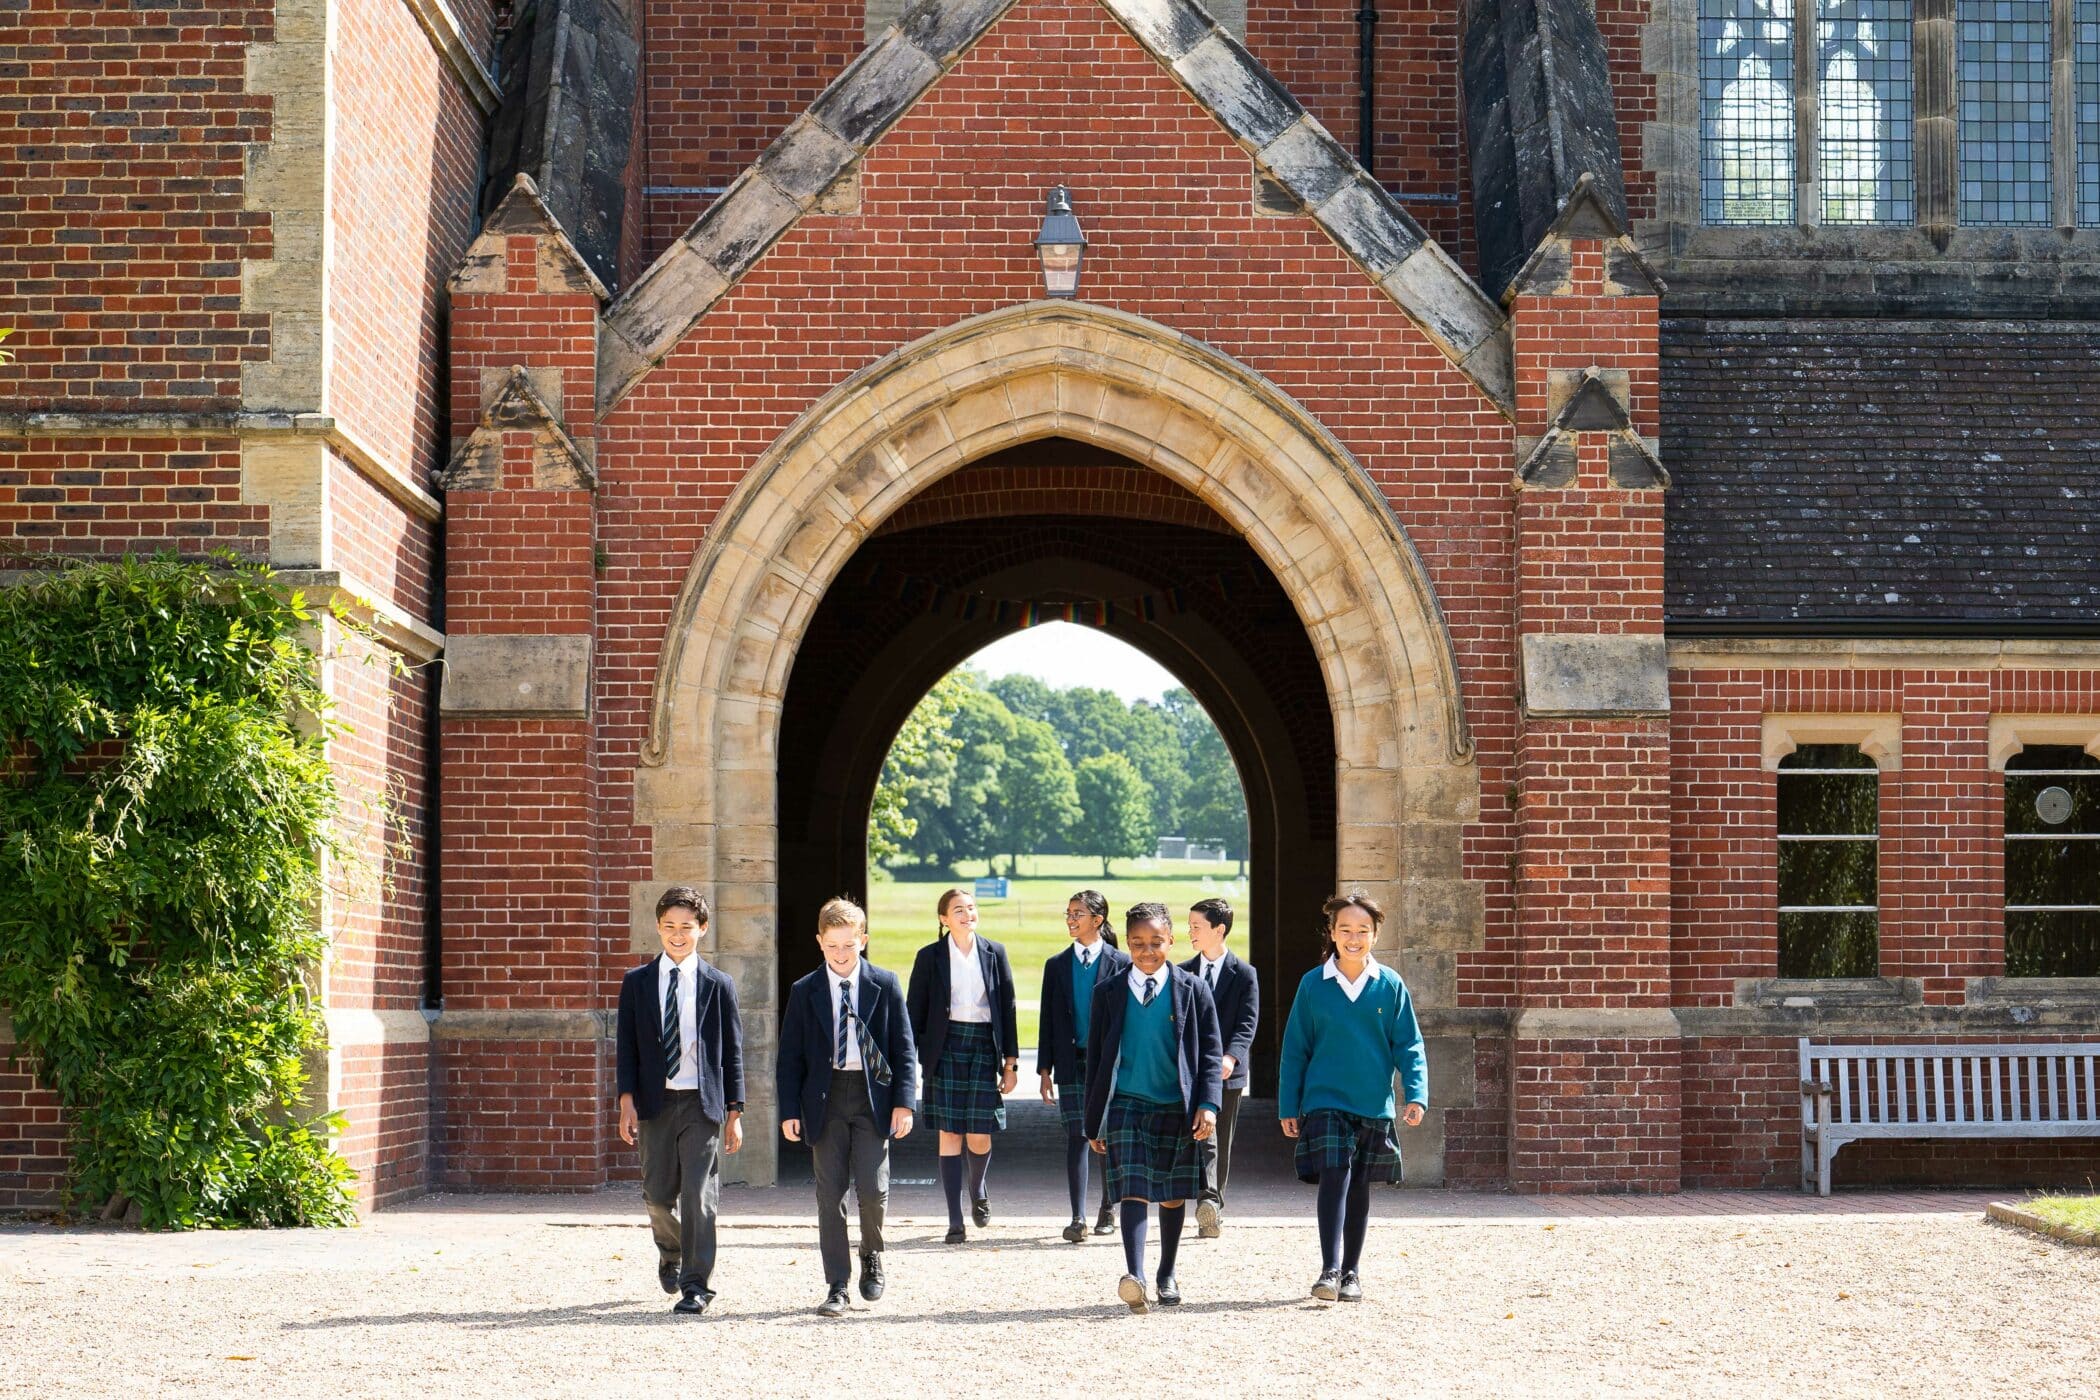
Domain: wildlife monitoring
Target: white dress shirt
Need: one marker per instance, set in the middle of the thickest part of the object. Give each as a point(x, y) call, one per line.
point(967, 998)
point(1210, 969)
point(843, 987)
point(688, 1076)
point(1351, 990)
point(1087, 952)
point(1159, 980)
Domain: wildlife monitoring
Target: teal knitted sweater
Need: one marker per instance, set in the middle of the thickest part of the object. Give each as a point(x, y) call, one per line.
point(1343, 1054)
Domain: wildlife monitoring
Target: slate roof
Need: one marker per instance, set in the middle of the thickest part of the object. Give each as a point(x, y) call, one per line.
point(1897, 473)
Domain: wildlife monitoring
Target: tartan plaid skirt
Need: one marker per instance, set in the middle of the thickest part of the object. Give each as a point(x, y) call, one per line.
point(1152, 1156)
point(1328, 1137)
point(1071, 1102)
point(962, 1091)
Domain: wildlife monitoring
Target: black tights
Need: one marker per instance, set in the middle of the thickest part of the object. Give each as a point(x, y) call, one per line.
point(1345, 1214)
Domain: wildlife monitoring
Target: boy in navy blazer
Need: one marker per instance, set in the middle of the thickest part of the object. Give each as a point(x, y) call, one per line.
point(680, 1066)
point(1155, 1075)
point(1236, 990)
point(846, 1073)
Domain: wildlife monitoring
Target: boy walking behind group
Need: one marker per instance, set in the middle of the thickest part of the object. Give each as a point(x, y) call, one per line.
point(680, 1068)
point(846, 1076)
point(1237, 992)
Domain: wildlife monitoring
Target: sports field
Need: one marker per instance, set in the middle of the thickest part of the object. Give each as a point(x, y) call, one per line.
point(1030, 921)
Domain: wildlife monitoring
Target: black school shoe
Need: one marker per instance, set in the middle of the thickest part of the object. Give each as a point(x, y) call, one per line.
point(871, 1278)
point(834, 1304)
point(1352, 1289)
point(667, 1275)
point(1076, 1231)
point(1328, 1286)
point(1105, 1223)
point(693, 1302)
point(1131, 1289)
point(1209, 1220)
point(956, 1235)
point(981, 1211)
point(1169, 1291)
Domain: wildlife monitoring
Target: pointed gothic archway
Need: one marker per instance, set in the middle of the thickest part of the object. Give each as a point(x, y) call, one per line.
point(1404, 780)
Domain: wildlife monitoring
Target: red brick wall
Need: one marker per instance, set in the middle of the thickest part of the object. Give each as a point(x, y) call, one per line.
point(32, 1137)
point(726, 77)
point(1592, 1115)
point(523, 1115)
point(108, 496)
point(122, 136)
point(406, 151)
point(1418, 125)
point(1634, 99)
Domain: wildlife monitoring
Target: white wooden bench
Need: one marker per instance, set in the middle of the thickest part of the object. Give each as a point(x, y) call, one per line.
point(1854, 1092)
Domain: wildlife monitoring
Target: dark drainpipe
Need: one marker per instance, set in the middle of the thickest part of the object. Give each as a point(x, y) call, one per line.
point(1366, 80)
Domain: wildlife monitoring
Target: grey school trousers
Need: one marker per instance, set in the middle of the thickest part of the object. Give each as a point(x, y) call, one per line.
point(682, 1185)
point(852, 1150)
point(1216, 1151)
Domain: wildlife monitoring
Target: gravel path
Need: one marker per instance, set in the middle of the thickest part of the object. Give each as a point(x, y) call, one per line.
point(540, 1299)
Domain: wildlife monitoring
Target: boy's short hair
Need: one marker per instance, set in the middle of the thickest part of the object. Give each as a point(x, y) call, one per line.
point(840, 912)
point(684, 897)
point(1149, 912)
point(1215, 911)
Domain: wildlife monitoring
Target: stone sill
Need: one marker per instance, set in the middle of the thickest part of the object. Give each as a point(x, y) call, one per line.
point(1829, 993)
point(2027, 999)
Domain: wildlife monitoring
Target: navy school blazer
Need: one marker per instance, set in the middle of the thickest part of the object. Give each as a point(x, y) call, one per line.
point(1198, 1051)
point(1057, 1048)
point(719, 1031)
point(1239, 1009)
point(928, 1000)
point(802, 1072)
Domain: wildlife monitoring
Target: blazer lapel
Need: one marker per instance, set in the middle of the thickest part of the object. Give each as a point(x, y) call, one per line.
point(868, 1004)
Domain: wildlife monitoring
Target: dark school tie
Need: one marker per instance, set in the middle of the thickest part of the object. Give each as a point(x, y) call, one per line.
point(1211, 974)
point(1145, 999)
point(673, 1041)
point(838, 1057)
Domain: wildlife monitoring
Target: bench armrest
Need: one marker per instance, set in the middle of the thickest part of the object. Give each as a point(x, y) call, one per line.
point(1817, 1086)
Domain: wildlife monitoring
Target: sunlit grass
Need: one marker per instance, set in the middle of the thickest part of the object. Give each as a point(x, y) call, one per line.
point(2077, 1212)
point(1030, 921)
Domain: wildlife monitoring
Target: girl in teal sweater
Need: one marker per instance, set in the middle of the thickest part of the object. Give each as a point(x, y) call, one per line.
point(1352, 1028)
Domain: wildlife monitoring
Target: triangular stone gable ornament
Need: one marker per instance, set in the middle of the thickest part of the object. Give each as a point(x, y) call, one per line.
point(558, 463)
point(826, 143)
point(1593, 406)
point(1584, 216)
point(485, 266)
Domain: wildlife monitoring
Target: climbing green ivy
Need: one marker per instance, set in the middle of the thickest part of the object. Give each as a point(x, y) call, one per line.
point(163, 823)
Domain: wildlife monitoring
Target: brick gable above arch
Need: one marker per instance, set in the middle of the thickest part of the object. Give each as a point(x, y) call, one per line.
point(1294, 157)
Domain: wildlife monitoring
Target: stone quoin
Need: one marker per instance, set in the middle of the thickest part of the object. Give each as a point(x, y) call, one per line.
point(1599, 481)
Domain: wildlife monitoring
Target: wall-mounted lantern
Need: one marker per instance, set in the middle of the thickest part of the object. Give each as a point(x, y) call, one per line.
point(1061, 245)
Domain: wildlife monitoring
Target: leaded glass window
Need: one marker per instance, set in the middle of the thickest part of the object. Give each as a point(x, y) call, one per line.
point(2002, 64)
point(1863, 117)
point(1746, 81)
point(2086, 64)
point(1829, 862)
point(2052, 863)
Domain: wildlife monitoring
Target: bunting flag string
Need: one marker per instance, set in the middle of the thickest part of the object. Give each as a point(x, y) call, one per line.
point(934, 598)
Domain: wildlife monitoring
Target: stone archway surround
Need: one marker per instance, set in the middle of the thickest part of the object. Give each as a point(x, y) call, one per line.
point(1405, 780)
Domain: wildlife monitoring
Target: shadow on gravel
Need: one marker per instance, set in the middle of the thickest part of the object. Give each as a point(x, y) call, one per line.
point(627, 1312)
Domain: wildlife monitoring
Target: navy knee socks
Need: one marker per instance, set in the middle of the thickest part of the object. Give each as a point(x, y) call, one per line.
point(1334, 1200)
point(951, 1183)
point(1135, 1216)
point(979, 1163)
point(1076, 1153)
point(1171, 1219)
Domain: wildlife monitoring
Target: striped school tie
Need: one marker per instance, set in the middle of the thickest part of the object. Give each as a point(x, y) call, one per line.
point(1146, 999)
point(838, 1052)
point(672, 1040)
